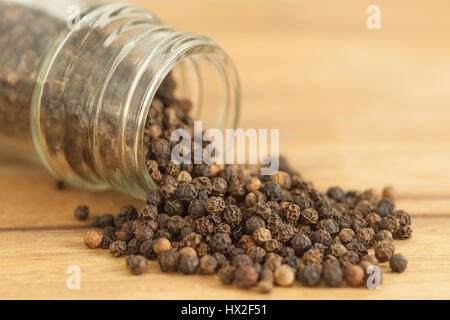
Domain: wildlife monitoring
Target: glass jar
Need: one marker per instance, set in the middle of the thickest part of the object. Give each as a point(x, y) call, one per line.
point(75, 93)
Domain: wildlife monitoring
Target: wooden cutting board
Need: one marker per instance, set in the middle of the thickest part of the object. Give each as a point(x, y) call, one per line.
point(355, 107)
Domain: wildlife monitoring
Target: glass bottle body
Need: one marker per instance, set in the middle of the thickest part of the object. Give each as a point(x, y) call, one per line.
point(78, 97)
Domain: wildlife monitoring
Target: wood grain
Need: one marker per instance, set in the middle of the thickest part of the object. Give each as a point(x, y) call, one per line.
point(355, 107)
point(45, 255)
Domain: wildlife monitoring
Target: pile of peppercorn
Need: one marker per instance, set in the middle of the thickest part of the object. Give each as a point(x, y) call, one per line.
point(257, 231)
point(251, 230)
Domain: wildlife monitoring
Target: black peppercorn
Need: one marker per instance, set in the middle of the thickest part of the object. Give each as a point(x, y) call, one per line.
point(81, 213)
point(398, 263)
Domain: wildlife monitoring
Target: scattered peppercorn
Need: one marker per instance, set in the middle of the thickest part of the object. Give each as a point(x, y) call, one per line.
point(284, 275)
point(384, 250)
point(309, 275)
point(93, 239)
point(168, 260)
point(118, 248)
point(208, 264)
point(188, 264)
point(354, 275)
point(246, 276)
point(398, 263)
point(81, 213)
point(389, 192)
point(137, 265)
point(226, 274)
point(333, 275)
point(253, 230)
point(161, 245)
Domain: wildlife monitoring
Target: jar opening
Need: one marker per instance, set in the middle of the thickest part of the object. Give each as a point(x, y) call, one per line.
point(205, 76)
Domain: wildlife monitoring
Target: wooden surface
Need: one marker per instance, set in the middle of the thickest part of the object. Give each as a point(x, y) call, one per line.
point(356, 108)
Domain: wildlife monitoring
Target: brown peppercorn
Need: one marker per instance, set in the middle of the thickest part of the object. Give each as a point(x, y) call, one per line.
point(349, 258)
point(262, 235)
point(183, 177)
point(337, 250)
point(272, 245)
point(369, 258)
point(313, 256)
point(292, 213)
point(160, 245)
point(373, 219)
point(208, 264)
point(191, 240)
point(232, 215)
point(309, 216)
point(203, 249)
point(354, 275)
point(384, 250)
point(143, 233)
point(188, 264)
point(214, 205)
point(188, 251)
point(329, 225)
point(403, 217)
point(203, 184)
point(398, 263)
point(330, 259)
point(389, 192)
point(367, 235)
point(384, 235)
point(93, 239)
point(246, 242)
point(118, 248)
point(403, 232)
point(389, 223)
point(168, 260)
point(346, 235)
point(137, 265)
point(254, 184)
point(204, 226)
point(252, 198)
point(282, 178)
point(265, 286)
point(241, 259)
point(284, 275)
point(246, 276)
point(226, 273)
point(214, 170)
point(267, 275)
point(81, 213)
point(273, 260)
